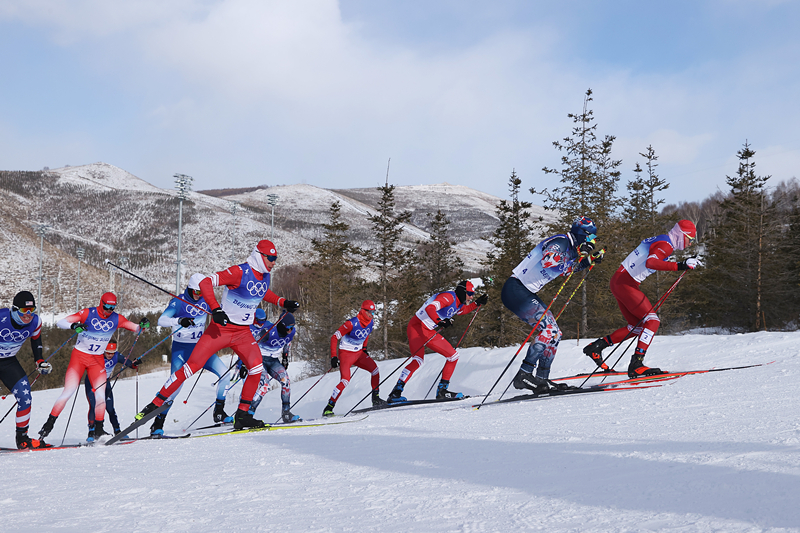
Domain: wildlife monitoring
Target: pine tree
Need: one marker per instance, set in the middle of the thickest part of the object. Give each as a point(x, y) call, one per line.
point(330, 286)
point(395, 267)
point(438, 259)
point(512, 242)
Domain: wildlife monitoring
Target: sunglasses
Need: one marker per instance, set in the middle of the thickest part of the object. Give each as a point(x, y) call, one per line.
point(269, 257)
point(108, 307)
point(195, 293)
point(26, 310)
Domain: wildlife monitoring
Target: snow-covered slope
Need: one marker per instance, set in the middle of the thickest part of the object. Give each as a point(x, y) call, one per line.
point(711, 452)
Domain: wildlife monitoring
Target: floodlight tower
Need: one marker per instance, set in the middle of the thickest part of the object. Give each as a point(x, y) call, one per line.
point(40, 230)
point(81, 253)
point(184, 184)
point(273, 199)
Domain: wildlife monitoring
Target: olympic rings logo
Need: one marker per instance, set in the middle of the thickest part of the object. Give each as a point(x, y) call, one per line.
point(8, 335)
point(194, 311)
point(361, 333)
point(278, 342)
point(102, 325)
point(257, 289)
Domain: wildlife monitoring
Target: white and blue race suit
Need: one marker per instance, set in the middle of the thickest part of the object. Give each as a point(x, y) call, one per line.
point(445, 312)
point(272, 345)
point(636, 262)
point(98, 332)
point(240, 303)
point(354, 340)
point(13, 336)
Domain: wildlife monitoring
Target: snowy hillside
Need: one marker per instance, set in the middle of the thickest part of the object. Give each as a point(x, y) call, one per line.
point(708, 452)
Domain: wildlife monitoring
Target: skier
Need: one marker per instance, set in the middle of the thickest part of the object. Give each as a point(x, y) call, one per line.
point(273, 339)
point(555, 256)
point(112, 357)
point(436, 313)
point(350, 342)
point(245, 285)
point(651, 255)
point(187, 318)
point(95, 326)
point(16, 325)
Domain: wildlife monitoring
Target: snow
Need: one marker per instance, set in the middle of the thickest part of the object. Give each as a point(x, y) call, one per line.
point(708, 452)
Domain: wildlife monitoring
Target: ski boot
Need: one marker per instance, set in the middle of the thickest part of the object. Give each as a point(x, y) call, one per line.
point(288, 417)
point(47, 427)
point(96, 431)
point(636, 368)
point(376, 399)
point(24, 442)
point(396, 395)
point(328, 411)
point(595, 352)
point(90, 437)
point(219, 412)
point(149, 408)
point(244, 419)
point(526, 380)
point(157, 429)
point(443, 394)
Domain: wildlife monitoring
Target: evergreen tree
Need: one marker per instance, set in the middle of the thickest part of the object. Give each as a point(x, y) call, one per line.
point(396, 270)
point(438, 260)
point(330, 286)
point(740, 249)
point(512, 242)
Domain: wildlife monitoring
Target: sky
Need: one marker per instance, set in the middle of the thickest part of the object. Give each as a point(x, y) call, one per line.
point(239, 93)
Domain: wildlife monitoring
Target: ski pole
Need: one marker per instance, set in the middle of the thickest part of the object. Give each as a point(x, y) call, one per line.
point(309, 389)
point(120, 371)
point(654, 307)
point(212, 405)
point(127, 357)
point(34, 370)
point(16, 403)
point(70, 414)
point(526, 340)
point(108, 262)
point(393, 371)
point(233, 363)
point(600, 254)
point(195, 384)
point(457, 345)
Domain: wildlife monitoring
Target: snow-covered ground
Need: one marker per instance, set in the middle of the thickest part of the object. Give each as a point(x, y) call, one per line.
point(708, 452)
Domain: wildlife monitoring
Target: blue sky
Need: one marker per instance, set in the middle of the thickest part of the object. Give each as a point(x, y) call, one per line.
point(248, 92)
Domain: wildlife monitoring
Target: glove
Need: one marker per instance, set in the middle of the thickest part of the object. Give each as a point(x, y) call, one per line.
point(219, 316)
point(482, 299)
point(43, 366)
point(186, 321)
point(243, 372)
point(285, 361)
point(144, 323)
point(689, 264)
point(334, 362)
point(444, 323)
point(597, 257)
point(134, 364)
point(291, 305)
point(78, 327)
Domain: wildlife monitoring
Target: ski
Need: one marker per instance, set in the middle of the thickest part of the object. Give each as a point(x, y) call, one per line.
point(62, 447)
point(137, 423)
point(553, 393)
point(155, 437)
point(407, 403)
point(276, 427)
point(663, 375)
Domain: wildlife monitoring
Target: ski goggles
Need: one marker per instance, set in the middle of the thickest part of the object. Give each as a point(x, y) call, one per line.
point(25, 310)
point(269, 257)
point(194, 294)
point(109, 307)
point(689, 239)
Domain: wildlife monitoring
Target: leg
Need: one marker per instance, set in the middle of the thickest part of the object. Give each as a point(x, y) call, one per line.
point(210, 343)
point(87, 385)
point(244, 346)
point(71, 381)
point(217, 367)
point(112, 413)
point(367, 363)
point(97, 375)
point(13, 376)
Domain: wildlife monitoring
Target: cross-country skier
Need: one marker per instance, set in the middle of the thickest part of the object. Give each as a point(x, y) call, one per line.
point(246, 285)
point(95, 326)
point(437, 312)
point(17, 325)
point(112, 357)
point(349, 348)
point(555, 256)
point(651, 255)
point(273, 340)
point(187, 318)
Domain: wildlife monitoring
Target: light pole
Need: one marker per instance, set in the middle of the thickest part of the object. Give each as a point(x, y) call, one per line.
point(184, 184)
point(123, 262)
point(272, 199)
point(234, 208)
point(81, 252)
point(41, 229)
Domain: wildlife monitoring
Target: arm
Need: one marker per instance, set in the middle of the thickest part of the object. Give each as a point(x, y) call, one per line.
point(441, 301)
point(657, 260)
point(273, 298)
point(36, 344)
point(80, 316)
point(230, 277)
point(167, 318)
point(124, 323)
point(467, 308)
point(343, 330)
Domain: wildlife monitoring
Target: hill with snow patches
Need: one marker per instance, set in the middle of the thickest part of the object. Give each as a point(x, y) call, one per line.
point(114, 215)
point(715, 452)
